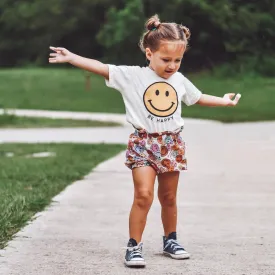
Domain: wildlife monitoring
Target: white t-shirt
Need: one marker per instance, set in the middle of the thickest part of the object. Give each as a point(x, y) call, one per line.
point(151, 102)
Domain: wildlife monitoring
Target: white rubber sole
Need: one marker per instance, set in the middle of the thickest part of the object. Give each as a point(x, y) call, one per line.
point(135, 263)
point(177, 257)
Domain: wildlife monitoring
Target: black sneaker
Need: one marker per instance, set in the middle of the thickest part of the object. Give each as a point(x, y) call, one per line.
point(172, 248)
point(133, 257)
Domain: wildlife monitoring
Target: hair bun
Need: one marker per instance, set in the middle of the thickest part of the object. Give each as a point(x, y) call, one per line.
point(186, 31)
point(153, 22)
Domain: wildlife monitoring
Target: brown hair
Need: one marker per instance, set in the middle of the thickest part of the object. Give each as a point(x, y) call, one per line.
point(157, 31)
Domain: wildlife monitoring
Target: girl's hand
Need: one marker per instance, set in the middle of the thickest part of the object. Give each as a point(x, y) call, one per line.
point(229, 101)
point(61, 55)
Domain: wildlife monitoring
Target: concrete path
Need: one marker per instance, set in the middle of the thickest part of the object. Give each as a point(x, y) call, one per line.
point(120, 118)
point(76, 135)
point(226, 212)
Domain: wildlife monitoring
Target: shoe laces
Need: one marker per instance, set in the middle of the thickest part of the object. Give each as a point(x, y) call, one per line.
point(174, 244)
point(135, 250)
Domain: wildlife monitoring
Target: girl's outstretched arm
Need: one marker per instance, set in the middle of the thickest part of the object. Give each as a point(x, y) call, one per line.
point(62, 55)
point(226, 100)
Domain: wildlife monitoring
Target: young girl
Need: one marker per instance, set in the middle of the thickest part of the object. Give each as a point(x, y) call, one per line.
point(152, 97)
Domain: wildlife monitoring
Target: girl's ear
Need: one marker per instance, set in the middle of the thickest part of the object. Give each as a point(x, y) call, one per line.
point(148, 54)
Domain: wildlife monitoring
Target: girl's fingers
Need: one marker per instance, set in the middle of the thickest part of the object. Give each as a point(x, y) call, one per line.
point(53, 48)
point(53, 54)
point(231, 95)
point(57, 49)
point(60, 49)
point(52, 60)
point(238, 96)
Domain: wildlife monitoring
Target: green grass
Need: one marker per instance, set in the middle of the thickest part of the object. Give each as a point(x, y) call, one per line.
point(56, 89)
point(257, 102)
point(27, 185)
point(11, 121)
point(64, 89)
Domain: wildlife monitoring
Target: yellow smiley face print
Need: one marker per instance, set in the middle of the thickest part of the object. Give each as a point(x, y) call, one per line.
point(161, 99)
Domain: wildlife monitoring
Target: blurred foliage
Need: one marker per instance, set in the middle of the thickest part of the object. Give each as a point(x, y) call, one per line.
point(238, 32)
point(119, 36)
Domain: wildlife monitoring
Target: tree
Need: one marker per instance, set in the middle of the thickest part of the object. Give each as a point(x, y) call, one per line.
point(120, 34)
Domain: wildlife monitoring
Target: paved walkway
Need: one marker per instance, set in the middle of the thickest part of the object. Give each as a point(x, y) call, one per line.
point(226, 211)
point(66, 115)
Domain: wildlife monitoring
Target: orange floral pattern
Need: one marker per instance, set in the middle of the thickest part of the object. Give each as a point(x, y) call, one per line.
point(165, 151)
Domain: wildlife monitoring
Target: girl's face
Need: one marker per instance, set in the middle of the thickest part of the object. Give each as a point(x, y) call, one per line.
point(167, 59)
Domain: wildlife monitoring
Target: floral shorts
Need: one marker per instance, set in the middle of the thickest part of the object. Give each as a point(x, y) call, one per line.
point(165, 151)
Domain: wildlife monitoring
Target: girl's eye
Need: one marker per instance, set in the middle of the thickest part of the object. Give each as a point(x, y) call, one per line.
point(177, 61)
point(165, 60)
point(157, 92)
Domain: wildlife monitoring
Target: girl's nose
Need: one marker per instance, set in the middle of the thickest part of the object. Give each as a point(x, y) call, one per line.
point(172, 66)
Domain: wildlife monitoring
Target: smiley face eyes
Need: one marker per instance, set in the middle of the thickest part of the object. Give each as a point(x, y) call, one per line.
point(157, 93)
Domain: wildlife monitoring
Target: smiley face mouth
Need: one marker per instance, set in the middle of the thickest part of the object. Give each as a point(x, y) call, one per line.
point(150, 101)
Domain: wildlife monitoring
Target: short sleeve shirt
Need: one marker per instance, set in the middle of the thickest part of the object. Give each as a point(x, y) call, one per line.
point(151, 102)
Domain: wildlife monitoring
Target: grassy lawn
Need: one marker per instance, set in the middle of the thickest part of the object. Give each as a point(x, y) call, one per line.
point(27, 185)
point(10, 121)
point(64, 89)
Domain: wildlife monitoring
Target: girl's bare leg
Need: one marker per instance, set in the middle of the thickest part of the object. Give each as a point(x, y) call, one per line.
point(144, 179)
point(167, 194)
